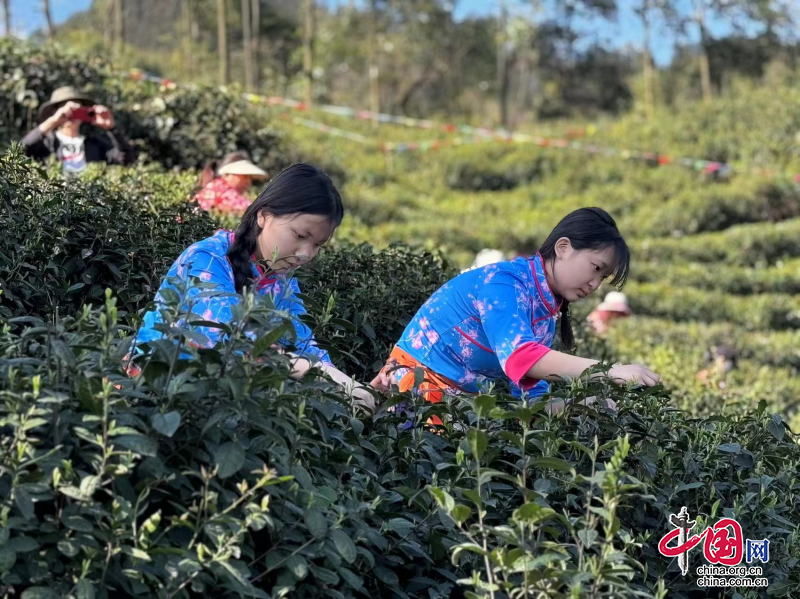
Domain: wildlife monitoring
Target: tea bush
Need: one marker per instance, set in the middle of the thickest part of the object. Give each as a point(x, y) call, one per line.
point(180, 127)
point(186, 127)
point(360, 300)
point(29, 76)
point(218, 475)
point(756, 244)
point(784, 277)
point(66, 241)
point(719, 207)
point(763, 311)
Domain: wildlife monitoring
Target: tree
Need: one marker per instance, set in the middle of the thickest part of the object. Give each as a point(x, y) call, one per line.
point(309, 33)
point(7, 14)
point(247, 45)
point(119, 27)
point(255, 41)
point(222, 41)
point(705, 67)
point(188, 38)
point(502, 65)
point(646, 10)
point(374, 65)
point(49, 18)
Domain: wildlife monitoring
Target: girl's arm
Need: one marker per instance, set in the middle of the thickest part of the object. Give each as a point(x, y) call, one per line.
point(555, 365)
point(361, 395)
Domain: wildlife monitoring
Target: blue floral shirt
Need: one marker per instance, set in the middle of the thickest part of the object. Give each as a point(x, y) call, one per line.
point(486, 323)
point(207, 260)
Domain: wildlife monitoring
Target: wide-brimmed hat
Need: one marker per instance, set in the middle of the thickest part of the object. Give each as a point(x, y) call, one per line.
point(242, 167)
point(61, 96)
point(615, 301)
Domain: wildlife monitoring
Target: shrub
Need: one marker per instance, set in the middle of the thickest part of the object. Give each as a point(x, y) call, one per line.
point(66, 241)
point(181, 127)
point(217, 475)
point(784, 277)
point(686, 303)
point(186, 127)
point(719, 207)
point(361, 300)
point(743, 245)
point(31, 74)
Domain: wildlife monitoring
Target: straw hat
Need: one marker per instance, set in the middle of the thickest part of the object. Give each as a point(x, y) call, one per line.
point(61, 96)
point(242, 167)
point(615, 301)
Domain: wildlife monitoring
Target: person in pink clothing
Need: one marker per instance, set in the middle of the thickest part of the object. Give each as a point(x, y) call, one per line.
point(223, 183)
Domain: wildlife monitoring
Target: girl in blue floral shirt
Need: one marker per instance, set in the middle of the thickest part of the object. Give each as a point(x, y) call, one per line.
point(284, 228)
point(499, 321)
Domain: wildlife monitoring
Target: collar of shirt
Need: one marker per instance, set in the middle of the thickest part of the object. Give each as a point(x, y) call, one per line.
point(539, 272)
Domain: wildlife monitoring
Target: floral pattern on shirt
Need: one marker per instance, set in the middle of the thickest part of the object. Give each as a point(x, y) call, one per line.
point(470, 328)
point(207, 260)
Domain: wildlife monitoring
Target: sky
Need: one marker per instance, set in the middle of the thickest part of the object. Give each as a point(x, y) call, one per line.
point(625, 32)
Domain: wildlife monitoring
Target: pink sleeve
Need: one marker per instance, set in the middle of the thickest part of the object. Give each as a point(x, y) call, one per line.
point(521, 360)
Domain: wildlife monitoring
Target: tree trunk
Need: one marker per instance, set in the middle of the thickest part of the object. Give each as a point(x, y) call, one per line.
point(188, 49)
point(255, 41)
point(247, 46)
point(7, 14)
point(374, 66)
point(309, 26)
point(502, 66)
point(49, 18)
point(705, 65)
point(108, 26)
point(647, 62)
point(222, 41)
point(119, 28)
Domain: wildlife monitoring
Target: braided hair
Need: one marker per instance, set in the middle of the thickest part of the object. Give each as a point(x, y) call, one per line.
point(297, 189)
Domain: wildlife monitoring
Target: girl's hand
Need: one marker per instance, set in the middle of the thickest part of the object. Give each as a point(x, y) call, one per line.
point(362, 398)
point(382, 382)
point(636, 373)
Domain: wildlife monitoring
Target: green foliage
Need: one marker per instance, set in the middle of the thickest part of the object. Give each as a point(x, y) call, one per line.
point(188, 126)
point(220, 475)
point(744, 245)
point(66, 241)
point(217, 474)
point(30, 76)
point(360, 300)
point(784, 277)
point(763, 311)
point(183, 127)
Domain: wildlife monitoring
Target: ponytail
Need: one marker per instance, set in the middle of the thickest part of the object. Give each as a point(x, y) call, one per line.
point(567, 336)
point(297, 189)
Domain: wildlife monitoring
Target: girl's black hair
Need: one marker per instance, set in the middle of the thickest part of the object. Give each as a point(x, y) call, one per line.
point(297, 189)
point(588, 229)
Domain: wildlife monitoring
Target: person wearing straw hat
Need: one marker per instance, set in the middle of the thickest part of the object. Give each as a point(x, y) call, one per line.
point(223, 183)
point(613, 306)
point(60, 132)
